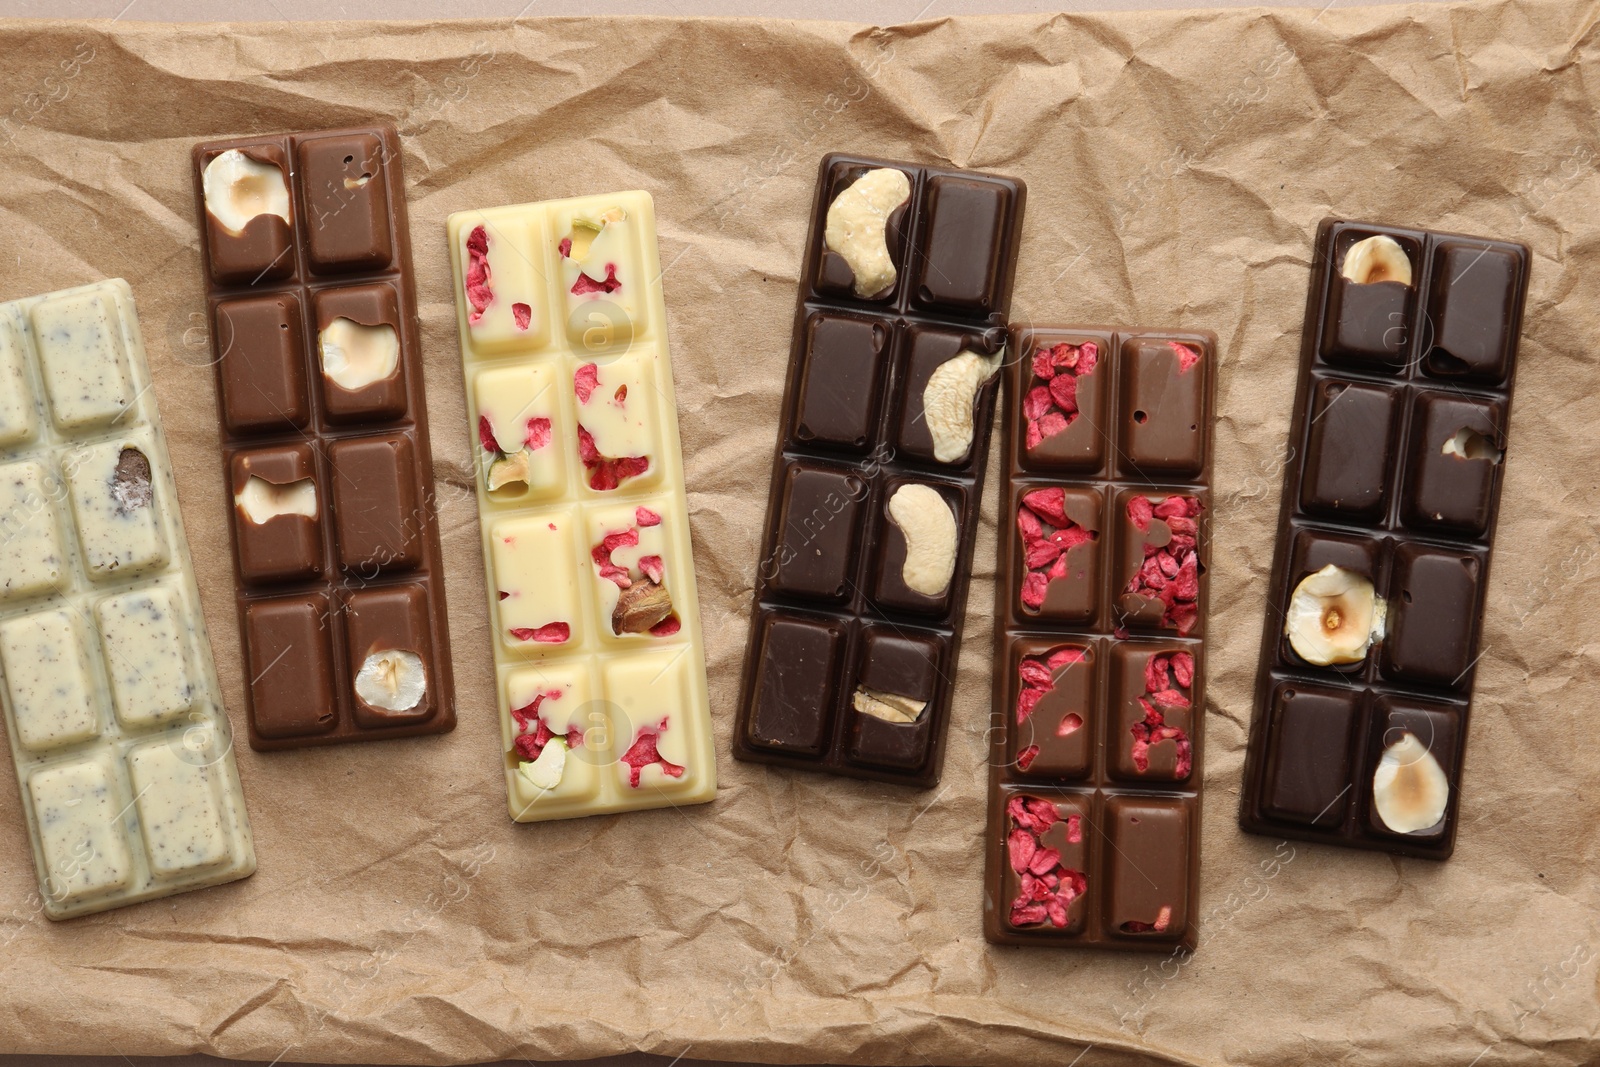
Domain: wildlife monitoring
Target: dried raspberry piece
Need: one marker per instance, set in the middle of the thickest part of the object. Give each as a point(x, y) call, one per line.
point(1064, 391)
point(1064, 657)
point(1044, 861)
point(666, 627)
point(1183, 669)
point(584, 381)
point(1139, 513)
point(538, 434)
point(1027, 700)
point(565, 246)
point(528, 711)
point(1036, 674)
point(1049, 505)
point(645, 753)
point(1155, 673)
point(1075, 829)
point(1033, 587)
point(1174, 507)
point(645, 517)
point(1026, 757)
point(551, 633)
point(1187, 357)
point(1043, 811)
point(1029, 526)
point(1071, 723)
point(1044, 364)
point(522, 315)
point(1027, 914)
point(1037, 402)
point(1041, 554)
point(601, 554)
point(1045, 889)
point(585, 284)
point(479, 293)
point(1163, 918)
point(1048, 425)
point(486, 436)
point(651, 565)
point(606, 473)
point(1022, 846)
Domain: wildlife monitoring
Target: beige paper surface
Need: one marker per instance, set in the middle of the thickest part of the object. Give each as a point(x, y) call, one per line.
point(1177, 166)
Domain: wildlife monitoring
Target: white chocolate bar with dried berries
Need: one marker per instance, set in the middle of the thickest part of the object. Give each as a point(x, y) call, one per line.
point(599, 659)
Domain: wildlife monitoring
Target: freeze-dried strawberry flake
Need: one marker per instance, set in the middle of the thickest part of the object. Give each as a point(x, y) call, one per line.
point(645, 517)
point(486, 436)
point(479, 293)
point(605, 472)
point(1047, 536)
point(1170, 572)
point(585, 284)
point(1038, 677)
point(533, 733)
point(1187, 356)
point(522, 315)
point(645, 752)
point(584, 381)
point(1046, 887)
point(1051, 404)
point(538, 433)
point(1165, 690)
point(551, 633)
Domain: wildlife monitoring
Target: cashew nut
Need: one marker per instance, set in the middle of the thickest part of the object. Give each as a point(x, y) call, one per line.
point(890, 707)
point(857, 220)
point(929, 526)
point(947, 401)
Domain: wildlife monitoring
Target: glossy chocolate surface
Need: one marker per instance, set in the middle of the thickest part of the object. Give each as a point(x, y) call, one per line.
point(1389, 375)
point(320, 593)
point(833, 613)
point(1105, 470)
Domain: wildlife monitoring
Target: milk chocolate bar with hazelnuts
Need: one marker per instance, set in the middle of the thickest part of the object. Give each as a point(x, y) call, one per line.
point(340, 584)
point(878, 474)
point(1093, 836)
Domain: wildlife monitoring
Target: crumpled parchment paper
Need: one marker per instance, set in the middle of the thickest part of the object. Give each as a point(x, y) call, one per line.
point(1177, 165)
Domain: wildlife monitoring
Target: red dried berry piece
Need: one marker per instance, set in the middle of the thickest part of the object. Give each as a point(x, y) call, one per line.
point(1037, 402)
point(586, 285)
point(1173, 507)
point(528, 711)
point(1071, 723)
point(1027, 914)
point(538, 434)
point(1074, 829)
point(1040, 554)
point(479, 293)
point(1027, 700)
point(645, 517)
point(1088, 356)
point(1033, 588)
point(1044, 861)
point(1026, 757)
point(1064, 391)
point(1049, 505)
point(653, 569)
point(566, 247)
point(1140, 512)
point(606, 473)
point(1187, 356)
point(1043, 811)
point(584, 381)
point(644, 752)
point(1155, 673)
point(522, 315)
point(1029, 526)
point(551, 633)
point(1163, 918)
point(1064, 657)
point(1015, 809)
point(486, 436)
point(1183, 669)
point(1021, 846)
point(1044, 364)
point(666, 627)
point(1035, 673)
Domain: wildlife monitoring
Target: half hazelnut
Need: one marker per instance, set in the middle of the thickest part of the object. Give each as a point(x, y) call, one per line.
point(1334, 617)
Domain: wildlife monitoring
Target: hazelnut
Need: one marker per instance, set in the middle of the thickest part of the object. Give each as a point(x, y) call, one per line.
point(1409, 789)
point(261, 500)
point(947, 402)
point(1470, 444)
point(1376, 259)
point(355, 356)
point(546, 769)
point(392, 680)
point(929, 527)
point(238, 188)
point(1334, 617)
point(858, 220)
point(130, 482)
point(890, 707)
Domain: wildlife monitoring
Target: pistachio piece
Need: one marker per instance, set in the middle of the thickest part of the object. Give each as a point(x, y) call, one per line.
point(641, 606)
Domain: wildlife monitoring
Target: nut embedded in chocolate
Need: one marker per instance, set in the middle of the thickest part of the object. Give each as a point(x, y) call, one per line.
point(130, 485)
point(355, 356)
point(641, 606)
point(261, 500)
point(929, 527)
point(858, 220)
point(1409, 789)
point(947, 401)
point(238, 188)
point(1376, 259)
point(890, 707)
point(1334, 617)
point(392, 680)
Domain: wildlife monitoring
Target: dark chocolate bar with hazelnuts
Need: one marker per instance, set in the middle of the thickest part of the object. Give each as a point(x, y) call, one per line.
point(340, 582)
point(1093, 835)
point(1386, 526)
point(878, 474)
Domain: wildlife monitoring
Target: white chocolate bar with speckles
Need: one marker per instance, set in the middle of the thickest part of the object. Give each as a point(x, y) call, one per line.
point(599, 658)
point(120, 739)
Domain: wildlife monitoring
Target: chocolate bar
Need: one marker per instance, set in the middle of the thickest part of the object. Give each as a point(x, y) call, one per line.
point(121, 744)
point(340, 586)
point(879, 467)
point(1385, 533)
point(1093, 835)
point(599, 659)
